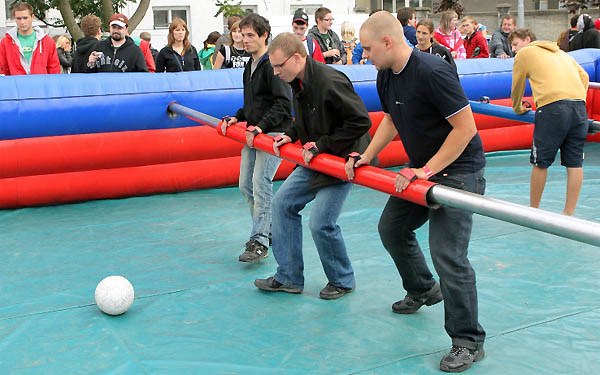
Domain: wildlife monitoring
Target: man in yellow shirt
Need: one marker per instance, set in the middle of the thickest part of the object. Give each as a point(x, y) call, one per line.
point(559, 86)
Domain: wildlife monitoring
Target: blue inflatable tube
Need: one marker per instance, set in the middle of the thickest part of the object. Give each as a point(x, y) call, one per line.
point(39, 106)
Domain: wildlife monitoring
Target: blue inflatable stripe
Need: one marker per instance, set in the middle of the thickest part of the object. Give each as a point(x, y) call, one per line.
point(38, 106)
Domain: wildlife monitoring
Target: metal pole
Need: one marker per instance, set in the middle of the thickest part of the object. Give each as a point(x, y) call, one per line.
point(520, 14)
point(534, 218)
point(501, 111)
point(383, 180)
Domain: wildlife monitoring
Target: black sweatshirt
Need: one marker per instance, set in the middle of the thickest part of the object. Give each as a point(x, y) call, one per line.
point(267, 99)
point(126, 58)
point(170, 61)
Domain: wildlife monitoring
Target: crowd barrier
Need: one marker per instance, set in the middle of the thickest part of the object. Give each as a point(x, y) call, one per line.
point(67, 138)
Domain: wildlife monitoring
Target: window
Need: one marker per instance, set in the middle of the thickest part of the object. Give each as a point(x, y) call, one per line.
point(7, 5)
point(250, 9)
point(310, 9)
point(164, 16)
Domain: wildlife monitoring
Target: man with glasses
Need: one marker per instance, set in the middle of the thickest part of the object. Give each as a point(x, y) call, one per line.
point(328, 40)
point(267, 109)
point(329, 118)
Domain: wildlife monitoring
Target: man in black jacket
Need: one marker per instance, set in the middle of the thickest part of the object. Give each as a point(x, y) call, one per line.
point(329, 118)
point(267, 109)
point(90, 25)
point(119, 53)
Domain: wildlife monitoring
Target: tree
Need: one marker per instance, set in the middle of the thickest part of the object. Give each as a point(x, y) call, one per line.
point(228, 8)
point(575, 6)
point(72, 10)
point(451, 5)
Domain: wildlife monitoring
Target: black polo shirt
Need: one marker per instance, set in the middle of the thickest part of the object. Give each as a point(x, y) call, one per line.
point(419, 99)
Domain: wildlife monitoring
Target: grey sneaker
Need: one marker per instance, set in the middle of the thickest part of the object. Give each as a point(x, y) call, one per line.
point(460, 358)
point(272, 285)
point(255, 252)
point(334, 292)
point(410, 304)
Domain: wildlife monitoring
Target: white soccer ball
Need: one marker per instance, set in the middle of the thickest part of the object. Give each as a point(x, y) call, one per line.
point(114, 295)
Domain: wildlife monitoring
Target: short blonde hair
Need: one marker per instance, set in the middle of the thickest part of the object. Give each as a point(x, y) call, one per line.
point(61, 40)
point(348, 31)
point(289, 44)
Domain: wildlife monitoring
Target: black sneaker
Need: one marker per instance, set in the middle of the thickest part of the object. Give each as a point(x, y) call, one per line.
point(410, 304)
point(255, 252)
point(460, 358)
point(334, 292)
point(272, 285)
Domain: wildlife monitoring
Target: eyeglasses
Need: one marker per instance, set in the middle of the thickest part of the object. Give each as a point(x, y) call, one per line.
point(328, 19)
point(279, 66)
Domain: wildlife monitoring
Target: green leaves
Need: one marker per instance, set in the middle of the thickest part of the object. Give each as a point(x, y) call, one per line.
point(228, 9)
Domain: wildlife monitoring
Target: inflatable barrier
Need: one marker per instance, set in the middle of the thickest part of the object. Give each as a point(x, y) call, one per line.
point(68, 138)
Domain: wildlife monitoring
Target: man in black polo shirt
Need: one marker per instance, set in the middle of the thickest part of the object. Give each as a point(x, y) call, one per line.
point(426, 105)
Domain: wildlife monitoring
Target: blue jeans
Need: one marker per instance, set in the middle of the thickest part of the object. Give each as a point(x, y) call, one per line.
point(257, 170)
point(289, 200)
point(449, 234)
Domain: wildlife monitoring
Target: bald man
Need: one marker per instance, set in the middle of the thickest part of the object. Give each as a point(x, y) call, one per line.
point(426, 106)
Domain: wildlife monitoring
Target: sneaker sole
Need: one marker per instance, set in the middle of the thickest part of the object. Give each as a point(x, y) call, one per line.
point(332, 297)
point(280, 289)
point(478, 356)
point(428, 302)
point(254, 260)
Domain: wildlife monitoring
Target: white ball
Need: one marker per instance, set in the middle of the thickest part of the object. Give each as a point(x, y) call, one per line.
point(114, 295)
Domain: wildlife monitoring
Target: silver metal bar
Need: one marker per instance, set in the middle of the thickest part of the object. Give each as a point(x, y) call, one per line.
point(595, 85)
point(549, 222)
point(534, 218)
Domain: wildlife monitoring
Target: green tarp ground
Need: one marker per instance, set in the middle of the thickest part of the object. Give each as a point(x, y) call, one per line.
point(197, 311)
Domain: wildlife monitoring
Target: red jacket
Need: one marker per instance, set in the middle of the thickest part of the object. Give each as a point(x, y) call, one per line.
point(44, 59)
point(474, 41)
point(145, 47)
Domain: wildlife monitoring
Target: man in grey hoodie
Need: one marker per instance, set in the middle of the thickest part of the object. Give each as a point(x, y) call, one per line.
point(329, 41)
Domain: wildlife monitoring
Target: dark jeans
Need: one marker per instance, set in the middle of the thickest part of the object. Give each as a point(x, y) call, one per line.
point(449, 234)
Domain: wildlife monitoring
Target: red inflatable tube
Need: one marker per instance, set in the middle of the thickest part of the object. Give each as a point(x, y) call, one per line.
point(122, 182)
point(201, 174)
point(82, 152)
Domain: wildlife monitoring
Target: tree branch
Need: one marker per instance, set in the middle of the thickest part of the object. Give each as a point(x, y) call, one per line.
point(69, 20)
point(140, 12)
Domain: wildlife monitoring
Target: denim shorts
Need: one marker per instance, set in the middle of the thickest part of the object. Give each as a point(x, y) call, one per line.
point(563, 126)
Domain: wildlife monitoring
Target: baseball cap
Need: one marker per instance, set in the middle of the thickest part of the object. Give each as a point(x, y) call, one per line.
point(118, 19)
point(300, 16)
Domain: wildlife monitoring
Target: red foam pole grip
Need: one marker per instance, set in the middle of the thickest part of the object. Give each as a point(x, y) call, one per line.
point(372, 177)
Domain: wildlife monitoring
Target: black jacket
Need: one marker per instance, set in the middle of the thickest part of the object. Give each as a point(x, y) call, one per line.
point(65, 58)
point(329, 112)
point(170, 61)
point(336, 43)
point(83, 48)
point(588, 38)
point(267, 99)
point(126, 58)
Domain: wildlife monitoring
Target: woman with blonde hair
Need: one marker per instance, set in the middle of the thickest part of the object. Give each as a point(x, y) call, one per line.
point(179, 55)
point(232, 55)
point(349, 40)
point(449, 36)
point(63, 48)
